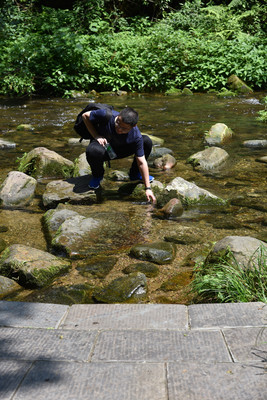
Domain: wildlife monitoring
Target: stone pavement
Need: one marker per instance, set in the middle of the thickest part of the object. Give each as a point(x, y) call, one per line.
point(133, 351)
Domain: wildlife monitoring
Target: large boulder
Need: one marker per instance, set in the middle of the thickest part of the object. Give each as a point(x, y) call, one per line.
point(243, 251)
point(190, 193)
point(235, 83)
point(31, 267)
point(157, 252)
point(41, 162)
point(17, 190)
point(81, 166)
point(88, 233)
point(208, 159)
point(218, 134)
point(72, 190)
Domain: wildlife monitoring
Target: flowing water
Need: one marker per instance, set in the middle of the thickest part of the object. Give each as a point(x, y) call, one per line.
point(181, 122)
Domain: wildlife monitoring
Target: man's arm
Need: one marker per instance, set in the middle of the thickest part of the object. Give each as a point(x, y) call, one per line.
point(143, 168)
point(91, 129)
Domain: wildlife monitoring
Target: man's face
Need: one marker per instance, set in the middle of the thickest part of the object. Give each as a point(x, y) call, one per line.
point(121, 127)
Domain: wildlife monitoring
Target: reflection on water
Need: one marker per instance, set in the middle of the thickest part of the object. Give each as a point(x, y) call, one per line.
point(181, 122)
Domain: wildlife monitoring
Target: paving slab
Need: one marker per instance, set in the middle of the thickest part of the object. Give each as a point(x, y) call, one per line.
point(107, 381)
point(33, 315)
point(126, 316)
point(161, 346)
point(247, 344)
point(43, 344)
point(227, 315)
point(11, 374)
point(216, 381)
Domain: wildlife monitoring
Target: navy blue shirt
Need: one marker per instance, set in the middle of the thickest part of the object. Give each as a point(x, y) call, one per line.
point(133, 138)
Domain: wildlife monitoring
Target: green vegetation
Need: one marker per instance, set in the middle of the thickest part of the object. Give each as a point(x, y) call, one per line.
point(227, 281)
point(101, 45)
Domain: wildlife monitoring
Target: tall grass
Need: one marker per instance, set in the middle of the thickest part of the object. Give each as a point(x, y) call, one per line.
point(228, 282)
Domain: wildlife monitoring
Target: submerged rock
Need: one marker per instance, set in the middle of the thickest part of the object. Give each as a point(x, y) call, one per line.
point(218, 134)
point(183, 238)
point(99, 266)
point(41, 162)
point(176, 282)
point(157, 252)
point(150, 270)
point(80, 236)
point(17, 190)
point(31, 267)
point(208, 159)
point(190, 193)
point(247, 252)
point(129, 289)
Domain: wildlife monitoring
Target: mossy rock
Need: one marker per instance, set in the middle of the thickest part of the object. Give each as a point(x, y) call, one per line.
point(129, 289)
point(177, 282)
point(183, 238)
point(41, 162)
point(71, 294)
point(150, 270)
point(237, 84)
point(25, 127)
point(173, 92)
point(31, 267)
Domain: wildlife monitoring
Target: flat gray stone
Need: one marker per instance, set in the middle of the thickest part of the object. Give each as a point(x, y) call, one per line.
point(44, 344)
point(247, 344)
point(32, 315)
point(126, 316)
point(11, 374)
point(161, 346)
point(111, 381)
point(227, 315)
point(216, 382)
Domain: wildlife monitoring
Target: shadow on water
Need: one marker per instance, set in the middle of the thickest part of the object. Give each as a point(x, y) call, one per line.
point(181, 122)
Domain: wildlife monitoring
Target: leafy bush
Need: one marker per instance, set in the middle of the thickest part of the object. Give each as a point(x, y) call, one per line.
point(55, 51)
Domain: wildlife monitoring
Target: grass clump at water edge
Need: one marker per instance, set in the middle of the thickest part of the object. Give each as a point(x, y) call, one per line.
point(228, 282)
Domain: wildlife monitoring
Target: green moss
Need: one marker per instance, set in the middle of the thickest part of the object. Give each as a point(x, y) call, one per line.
point(41, 277)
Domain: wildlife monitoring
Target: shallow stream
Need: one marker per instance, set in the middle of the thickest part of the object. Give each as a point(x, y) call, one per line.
point(181, 122)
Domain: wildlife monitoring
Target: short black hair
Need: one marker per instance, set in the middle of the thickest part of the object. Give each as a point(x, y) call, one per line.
point(129, 116)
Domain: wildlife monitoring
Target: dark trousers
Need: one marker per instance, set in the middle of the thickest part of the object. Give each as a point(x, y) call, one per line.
point(96, 155)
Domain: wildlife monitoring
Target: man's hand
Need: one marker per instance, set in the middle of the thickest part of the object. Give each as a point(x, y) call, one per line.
point(150, 196)
point(102, 141)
